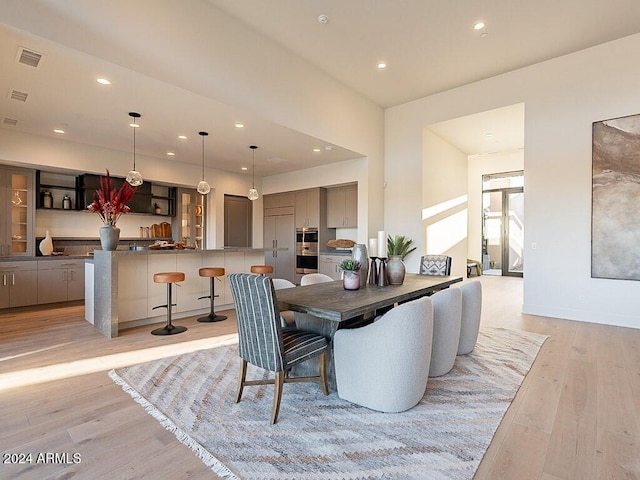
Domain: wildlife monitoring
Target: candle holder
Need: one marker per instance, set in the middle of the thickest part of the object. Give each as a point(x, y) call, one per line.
point(382, 272)
point(373, 272)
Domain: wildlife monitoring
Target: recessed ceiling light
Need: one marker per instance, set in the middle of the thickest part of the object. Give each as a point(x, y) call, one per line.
point(59, 131)
point(382, 65)
point(328, 148)
point(489, 134)
point(244, 168)
point(478, 25)
point(170, 154)
point(103, 81)
point(316, 150)
point(182, 137)
point(239, 125)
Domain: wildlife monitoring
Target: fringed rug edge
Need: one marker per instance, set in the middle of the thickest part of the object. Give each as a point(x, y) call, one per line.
point(207, 458)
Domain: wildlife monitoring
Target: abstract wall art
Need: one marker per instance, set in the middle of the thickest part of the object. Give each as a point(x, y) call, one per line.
point(615, 212)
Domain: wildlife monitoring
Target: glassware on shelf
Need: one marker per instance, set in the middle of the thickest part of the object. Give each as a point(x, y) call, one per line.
point(16, 200)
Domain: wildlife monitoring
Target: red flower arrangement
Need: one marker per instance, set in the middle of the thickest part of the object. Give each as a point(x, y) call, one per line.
point(110, 203)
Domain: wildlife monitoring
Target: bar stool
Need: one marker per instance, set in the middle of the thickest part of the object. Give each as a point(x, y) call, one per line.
point(262, 269)
point(213, 273)
point(169, 278)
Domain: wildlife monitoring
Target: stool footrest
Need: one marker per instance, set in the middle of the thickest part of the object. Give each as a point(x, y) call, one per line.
point(164, 306)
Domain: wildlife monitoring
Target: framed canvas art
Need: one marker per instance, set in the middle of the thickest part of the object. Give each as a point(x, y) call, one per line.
point(615, 206)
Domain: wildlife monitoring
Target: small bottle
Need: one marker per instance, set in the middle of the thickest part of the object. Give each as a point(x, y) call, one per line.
point(47, 199)
point(66, 202)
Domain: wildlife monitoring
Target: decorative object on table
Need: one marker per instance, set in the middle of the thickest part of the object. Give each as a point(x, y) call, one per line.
point(134, 178)
point(203, 186)
point(109, 204)
point(340, 243)
point(66, 202)
point(46, 245)
point(253, 193)
point(351, 278)
point(398, 248)
point(359, 254)
point(373, 271)
point(383, 280)
point(47, 199)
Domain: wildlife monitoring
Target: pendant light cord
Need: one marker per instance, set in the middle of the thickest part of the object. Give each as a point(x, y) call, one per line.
point(134, 146)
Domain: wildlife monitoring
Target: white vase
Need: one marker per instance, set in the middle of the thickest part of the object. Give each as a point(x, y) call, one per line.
point(46, 245)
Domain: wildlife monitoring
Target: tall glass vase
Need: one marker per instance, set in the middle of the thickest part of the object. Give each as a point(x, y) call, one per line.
point(109, 237)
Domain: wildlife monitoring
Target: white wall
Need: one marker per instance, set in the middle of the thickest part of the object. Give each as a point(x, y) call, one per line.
point(562, 98)
point(443, 216)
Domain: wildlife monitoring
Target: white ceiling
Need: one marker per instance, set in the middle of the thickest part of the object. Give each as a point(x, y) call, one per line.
point(429, 46)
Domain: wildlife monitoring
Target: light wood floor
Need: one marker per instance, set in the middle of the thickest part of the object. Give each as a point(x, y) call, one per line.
point(576, 416)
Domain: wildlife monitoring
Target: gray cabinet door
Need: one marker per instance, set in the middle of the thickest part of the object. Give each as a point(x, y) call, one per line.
point(75, 284)
point(24, 287)
point(52, 286)
point(279, 231)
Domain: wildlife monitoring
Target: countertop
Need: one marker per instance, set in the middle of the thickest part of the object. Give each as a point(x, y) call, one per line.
point(145, 251)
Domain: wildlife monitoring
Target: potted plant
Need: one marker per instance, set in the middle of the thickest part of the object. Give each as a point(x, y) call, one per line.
point(351, 277)
point(110, 204)
point(398, 248)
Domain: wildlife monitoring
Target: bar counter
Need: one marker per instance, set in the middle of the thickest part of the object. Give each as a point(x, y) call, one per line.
point(120, 292)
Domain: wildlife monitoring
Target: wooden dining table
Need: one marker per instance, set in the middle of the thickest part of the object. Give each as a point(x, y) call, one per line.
point(323, 308)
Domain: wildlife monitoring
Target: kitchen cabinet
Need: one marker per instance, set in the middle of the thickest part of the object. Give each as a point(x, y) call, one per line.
point(279, 232)
point(189, 225)
point(164, 200)
point(277, 200)
point(57, 186)
point(17, 208)
point(60, 280)
point(18, 284)
point(342, 207)
point(328, 264)
point(307, 208)
point(88, 184)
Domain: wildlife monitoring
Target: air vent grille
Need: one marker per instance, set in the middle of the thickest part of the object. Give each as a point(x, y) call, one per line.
point(18, 95)
point(29, 57)
point(10, 121)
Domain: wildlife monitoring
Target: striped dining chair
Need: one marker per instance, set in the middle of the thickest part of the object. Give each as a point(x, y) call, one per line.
point(265, 344)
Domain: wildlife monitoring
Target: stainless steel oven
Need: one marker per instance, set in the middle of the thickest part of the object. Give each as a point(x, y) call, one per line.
point(307, 250)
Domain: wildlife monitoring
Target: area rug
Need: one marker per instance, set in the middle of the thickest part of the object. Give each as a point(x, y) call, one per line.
point(321, 437)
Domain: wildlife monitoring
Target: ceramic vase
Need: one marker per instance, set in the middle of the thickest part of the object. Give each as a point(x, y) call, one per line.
point(109, 237)
point(359, 254)
point(351, 280)
point(395, 270)
point(46, 245)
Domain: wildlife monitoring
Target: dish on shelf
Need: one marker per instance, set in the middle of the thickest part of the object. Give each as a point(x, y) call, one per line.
point(198, 209)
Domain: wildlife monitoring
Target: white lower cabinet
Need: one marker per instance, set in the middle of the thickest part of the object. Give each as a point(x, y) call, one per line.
point(328, 264)
point(132, 288)
point(18, 284)
point(193, 286)
point(60, 280)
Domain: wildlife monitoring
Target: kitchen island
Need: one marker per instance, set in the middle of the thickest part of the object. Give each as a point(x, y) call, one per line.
point(120, 292)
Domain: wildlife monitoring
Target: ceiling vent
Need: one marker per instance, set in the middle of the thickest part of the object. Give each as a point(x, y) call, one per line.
point(9, 121)
point(18, 95)
point(28, 57)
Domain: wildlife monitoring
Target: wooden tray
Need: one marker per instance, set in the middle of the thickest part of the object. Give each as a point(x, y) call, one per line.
point(340, 243)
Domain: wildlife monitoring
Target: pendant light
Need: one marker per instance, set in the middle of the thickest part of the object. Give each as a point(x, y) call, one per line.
point(134, 178)
point(253, 193)
point(203, 186)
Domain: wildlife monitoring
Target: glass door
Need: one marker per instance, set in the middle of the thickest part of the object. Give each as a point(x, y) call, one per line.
point(191, 218)
point(503, 224)
point(19, 197)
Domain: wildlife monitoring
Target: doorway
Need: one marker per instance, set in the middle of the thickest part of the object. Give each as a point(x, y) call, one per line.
point(503, 224)
point(238, 213)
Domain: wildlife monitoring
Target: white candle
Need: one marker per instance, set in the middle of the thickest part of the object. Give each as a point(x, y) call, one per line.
point(373, 247)
point(382, 244)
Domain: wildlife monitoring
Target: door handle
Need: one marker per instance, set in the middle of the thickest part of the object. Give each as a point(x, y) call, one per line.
point(13, 279)
point(4, 279)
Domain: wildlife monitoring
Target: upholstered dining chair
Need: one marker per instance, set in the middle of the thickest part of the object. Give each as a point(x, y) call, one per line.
point(287, 317)
point(447, 317)
point(311, 278)
point(471, 313)
point(435, 265)
point(384, 366)
point(265, 344)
